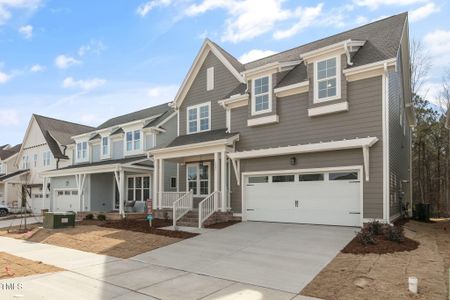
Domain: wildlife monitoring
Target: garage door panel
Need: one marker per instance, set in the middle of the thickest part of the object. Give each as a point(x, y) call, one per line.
point(67, 200)
point(332, 202)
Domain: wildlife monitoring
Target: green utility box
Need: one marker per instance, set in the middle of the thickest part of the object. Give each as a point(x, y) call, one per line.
point(57, 220)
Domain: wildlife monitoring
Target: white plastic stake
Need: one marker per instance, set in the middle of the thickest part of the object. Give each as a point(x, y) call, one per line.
point(413, 283)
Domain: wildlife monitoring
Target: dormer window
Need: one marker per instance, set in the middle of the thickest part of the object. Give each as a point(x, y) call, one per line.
point(105, 146)
point(262, 95)
point(327, 81)
point(133, 141)
point(198, 118)
point(46, 158)
point(82, 151)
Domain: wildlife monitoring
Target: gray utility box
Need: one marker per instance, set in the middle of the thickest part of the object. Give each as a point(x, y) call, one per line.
point(57, 220)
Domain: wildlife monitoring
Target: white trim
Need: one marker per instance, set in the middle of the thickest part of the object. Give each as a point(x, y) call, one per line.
point(293, 89)
point(269, 68)
point(307, 148)
point(340, 46)
point(328, 109)
point(235, 101)
point(198, 180)
point(197, 108)
point(263, 120)
point(385, 136)
point(198, 61)
point(358, 168)
point(150, 188)
point(108, 154)
point(269, 93)
point(228, 119)
point(133, 150)
point(369, 70)
point(210, 79)
point(316, 98)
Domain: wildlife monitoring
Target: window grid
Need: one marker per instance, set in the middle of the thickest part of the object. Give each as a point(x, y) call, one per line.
point(199, 118)
point(262, 95)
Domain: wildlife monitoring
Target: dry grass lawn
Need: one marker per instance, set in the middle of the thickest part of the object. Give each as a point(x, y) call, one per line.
point(12, 266)
point(385, 276)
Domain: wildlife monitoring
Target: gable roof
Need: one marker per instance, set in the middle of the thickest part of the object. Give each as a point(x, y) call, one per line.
point(135, 116)
point(7, 153)
point(382, 42)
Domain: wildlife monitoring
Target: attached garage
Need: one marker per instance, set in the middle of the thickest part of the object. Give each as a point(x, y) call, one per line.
point(66, 200)
point(331, 197)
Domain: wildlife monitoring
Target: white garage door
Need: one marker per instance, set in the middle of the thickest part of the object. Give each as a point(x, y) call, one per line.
point(67, 200)
point(331, 198)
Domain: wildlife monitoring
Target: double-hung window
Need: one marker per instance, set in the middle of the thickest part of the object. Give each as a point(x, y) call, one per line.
point(327, 80)
point(46, 158)
point(138, 188)
point(198, 178)
point(2, 168)
point(262, 99)
point(25, 162)
point(35, 160)
point(105, 146)
point(133, 140)
point(82, 151)
point(198, 118)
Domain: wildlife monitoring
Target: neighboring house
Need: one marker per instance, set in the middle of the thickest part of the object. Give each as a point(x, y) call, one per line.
point(44, 147)
point(8, 192)
point(110, 170)
point(318, 134)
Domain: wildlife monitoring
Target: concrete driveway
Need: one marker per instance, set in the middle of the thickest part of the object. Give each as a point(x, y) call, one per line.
point(284, 257)
point(5, 222)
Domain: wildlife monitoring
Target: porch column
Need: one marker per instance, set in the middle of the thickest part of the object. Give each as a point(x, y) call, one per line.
point(122, 193)
point(44, 192)
point(216, 178)
point(161, 180)
point(155, 184)
point(223, 177)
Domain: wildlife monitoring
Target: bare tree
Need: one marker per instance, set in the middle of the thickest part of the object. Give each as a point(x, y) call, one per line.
point(420, 65)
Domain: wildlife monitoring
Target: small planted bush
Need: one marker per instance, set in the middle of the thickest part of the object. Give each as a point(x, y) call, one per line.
point(375, 227)
point(89, 217)
point(366, 237)
point(101, 217)
point(394, 234)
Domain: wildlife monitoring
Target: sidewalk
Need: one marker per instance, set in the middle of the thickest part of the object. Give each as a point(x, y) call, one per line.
point(94, 276)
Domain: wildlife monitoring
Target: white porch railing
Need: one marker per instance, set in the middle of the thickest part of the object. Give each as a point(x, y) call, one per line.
point(207, 207)
point(182, 206)
point(168, 198)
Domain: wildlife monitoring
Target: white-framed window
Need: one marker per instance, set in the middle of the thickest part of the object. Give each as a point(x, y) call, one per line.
point(35, 160)
point(2, 168)
point(133, 140)
point(210, 79)
point(197, 178)
point(199, 118)
point(25, 162)
point(46, 158)
point(138, 188)
point(327, 79)
point(82, 151)
point(105, 146)
point(262, 95)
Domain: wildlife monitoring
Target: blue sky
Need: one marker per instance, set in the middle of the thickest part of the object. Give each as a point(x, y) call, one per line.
point(87, 61)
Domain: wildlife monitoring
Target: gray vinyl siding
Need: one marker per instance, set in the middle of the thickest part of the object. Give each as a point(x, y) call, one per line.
point(363, 119)
point(399, 144)
point(149, 141)
point(224, 83)
point(117, 149)
point(170, 170)
point(163, 139)
point(101, 193)
point(96, 153)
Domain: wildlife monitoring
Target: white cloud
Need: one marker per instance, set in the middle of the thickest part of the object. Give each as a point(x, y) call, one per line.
point(146, 7)
point(306, 17)
point(361, 20)
point(438, 45)
point(4, 77)
point(86, 85)
point(6, 6)
point(423, 12)
point(374, 4)
point(94, 46)
point(26, 31)
point(37, 68)
point(63, 61)
point(163, 92)
point(254, 54)
point(9, 117)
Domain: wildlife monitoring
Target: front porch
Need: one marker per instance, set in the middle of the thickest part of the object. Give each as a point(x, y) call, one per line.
point(203, 179)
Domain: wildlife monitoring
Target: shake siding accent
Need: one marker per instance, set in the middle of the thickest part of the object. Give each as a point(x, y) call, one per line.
point(95, 153)
point(102, 192)
point(117, 148)
point(295, 127)
point(163, 139)
point(224, 83)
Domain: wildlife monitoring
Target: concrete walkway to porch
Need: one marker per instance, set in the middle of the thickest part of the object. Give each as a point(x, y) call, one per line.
point(93, 276)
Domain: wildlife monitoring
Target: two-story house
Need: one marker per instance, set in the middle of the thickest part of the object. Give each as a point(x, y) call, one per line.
point(317, 134)
point(8, 192)
point(110, 170)
point(43, 148)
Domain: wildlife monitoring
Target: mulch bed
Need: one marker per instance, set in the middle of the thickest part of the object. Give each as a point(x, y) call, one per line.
point(382, 246)
point(141, 226)
point(222, 225)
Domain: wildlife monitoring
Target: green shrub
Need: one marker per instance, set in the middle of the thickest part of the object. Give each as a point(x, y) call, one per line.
point(365, 237)
point(89, 217)
point(375, 227)
point(101, 217)
point(394, 234)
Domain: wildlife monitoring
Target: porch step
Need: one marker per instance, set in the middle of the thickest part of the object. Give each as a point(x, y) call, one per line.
point(190, 219)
